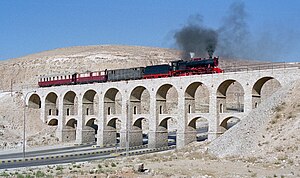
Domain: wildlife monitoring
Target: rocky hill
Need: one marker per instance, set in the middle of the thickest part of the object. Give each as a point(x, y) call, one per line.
point(269, 133)
point(17, 74)
point(265, 143)
point(24, 72)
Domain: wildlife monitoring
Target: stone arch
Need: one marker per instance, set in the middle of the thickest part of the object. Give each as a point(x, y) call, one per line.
point(140, 100)
point(70, 104)
point(53, 122)
point(263, 88)
point(34, 101)
point(72, 122)
point(141, 128)
point(167, 99)
point(230, 97)
point(51, 104)
point(197, 98)
point(229, 122)
point(90, 103)
point(167, 135)
point(90, 129)
point(139, 104)
point(198, 129)
point(112, 102)
point(112, 107)
point(69, 133)
point(113, 130)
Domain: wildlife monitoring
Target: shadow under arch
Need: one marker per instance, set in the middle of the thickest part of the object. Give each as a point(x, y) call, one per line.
point(197, 98)
point(167, 99)
point(70, 101)
point(53, 122)
point(140, 129)
point(167, 135)
point(230, 97)
point(112, 102)
point(229, 122)
point(90, 130)
point(34, 101)
point(113, 128)
point(198, 129)
point(263, 88)
point(69, 133)
point(90, 102)
point(139, 100)
point(51, 104)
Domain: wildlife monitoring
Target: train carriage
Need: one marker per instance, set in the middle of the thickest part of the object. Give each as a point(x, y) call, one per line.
point(195, 66)
point(55, 80)
point(91, 77)
point(125, 74)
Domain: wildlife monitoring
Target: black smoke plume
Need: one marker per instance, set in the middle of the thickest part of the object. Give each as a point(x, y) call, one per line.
point(234, 34)
point(196, 38)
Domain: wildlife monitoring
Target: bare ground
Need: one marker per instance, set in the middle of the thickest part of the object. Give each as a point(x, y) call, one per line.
point(274, 143)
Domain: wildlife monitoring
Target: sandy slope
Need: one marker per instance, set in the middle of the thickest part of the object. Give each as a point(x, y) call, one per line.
point(266, 143)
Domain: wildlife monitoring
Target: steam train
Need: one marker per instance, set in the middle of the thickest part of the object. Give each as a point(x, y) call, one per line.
point(195, 66)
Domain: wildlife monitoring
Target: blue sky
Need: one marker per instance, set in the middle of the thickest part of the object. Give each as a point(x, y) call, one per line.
point(30, 26)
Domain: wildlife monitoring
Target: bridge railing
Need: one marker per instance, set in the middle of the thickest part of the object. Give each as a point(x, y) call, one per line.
point(261, 66)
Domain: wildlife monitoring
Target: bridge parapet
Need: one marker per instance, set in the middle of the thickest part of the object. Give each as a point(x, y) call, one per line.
point(262, 66)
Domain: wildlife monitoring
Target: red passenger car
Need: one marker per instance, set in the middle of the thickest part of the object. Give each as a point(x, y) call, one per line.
point(46, 81)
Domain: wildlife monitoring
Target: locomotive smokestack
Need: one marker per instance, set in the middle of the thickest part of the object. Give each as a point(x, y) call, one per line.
point(192, 54)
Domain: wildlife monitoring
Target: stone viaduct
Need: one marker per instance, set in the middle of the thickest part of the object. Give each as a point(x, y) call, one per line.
point(85, 113)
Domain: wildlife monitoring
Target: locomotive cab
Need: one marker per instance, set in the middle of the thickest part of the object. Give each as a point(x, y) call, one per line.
point(177, 65)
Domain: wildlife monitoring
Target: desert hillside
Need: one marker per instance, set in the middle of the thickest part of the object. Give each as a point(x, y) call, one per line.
point(24, 72)
point(17, 74)
point(265, 143)
point(270, 132)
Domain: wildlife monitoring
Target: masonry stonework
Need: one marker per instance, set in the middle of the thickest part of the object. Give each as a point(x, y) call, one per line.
point(103, 112)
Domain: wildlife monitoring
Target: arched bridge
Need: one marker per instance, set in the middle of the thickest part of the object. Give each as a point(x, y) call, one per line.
point(157, 108)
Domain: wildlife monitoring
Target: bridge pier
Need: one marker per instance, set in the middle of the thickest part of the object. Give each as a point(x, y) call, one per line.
point(135, 138)
point(87, 135)
point(67, 134)
point(184, 138)
point(106, 137)
point(157, 139)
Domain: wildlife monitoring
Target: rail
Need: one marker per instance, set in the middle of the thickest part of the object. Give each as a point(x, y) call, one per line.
point(261, 66)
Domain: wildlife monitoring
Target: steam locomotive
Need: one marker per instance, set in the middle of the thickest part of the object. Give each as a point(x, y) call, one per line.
point(195, 66)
